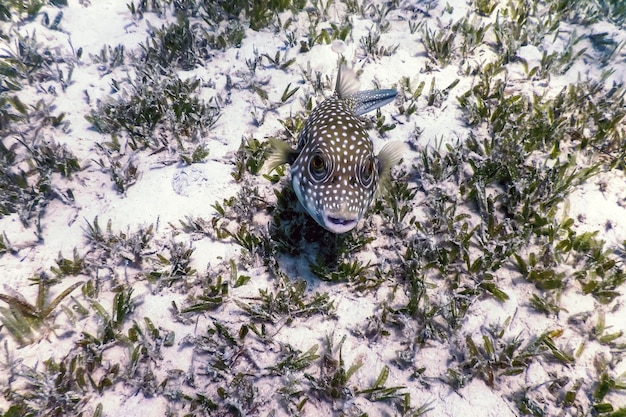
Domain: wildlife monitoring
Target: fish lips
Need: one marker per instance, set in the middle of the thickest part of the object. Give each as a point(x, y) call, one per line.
point(338, 224)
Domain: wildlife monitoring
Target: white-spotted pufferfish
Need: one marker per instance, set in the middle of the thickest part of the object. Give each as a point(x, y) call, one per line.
point(334, 171)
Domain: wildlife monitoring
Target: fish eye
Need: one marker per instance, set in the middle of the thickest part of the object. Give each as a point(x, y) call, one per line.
point(367, 172)
point(318, 167)
point(317, 163)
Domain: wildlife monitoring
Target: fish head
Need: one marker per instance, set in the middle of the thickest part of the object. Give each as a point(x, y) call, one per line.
point(335, 179)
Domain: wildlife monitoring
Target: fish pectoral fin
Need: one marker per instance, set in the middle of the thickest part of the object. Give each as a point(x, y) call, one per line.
point(281, 154)
point(391, 154)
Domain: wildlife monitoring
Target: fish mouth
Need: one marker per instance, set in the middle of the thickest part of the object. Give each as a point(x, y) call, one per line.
point(339, 224)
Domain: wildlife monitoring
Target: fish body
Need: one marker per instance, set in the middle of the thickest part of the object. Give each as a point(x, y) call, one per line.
point(334, 170)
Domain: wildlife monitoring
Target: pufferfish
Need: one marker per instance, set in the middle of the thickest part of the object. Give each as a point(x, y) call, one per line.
point(334, 171)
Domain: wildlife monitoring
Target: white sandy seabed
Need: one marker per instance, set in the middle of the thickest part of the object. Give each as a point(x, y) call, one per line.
point(166, 193)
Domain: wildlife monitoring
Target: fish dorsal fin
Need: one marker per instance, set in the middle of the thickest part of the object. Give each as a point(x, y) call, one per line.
point(347, 82)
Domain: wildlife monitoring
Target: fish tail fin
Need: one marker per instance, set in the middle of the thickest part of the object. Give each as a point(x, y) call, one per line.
point(281, 153)
point(391, 154)
point(347, 88)
point(366, 101)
